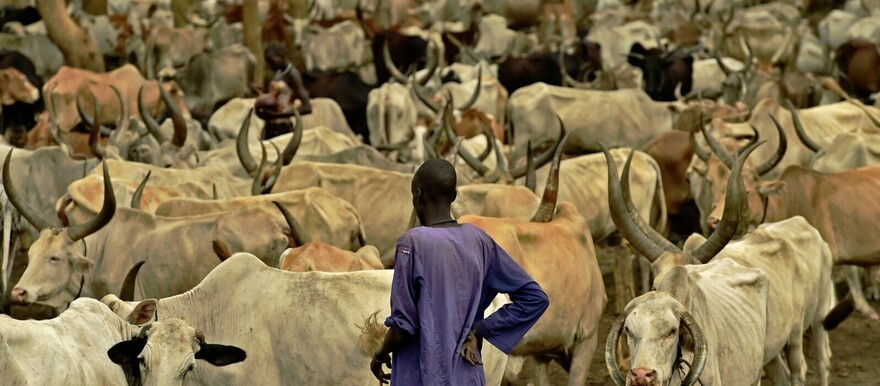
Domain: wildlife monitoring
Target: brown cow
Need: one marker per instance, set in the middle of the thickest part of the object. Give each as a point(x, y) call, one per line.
point(859, 64)
point(14, 86)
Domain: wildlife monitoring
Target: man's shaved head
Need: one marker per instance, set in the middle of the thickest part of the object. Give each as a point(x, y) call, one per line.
point(436, 180)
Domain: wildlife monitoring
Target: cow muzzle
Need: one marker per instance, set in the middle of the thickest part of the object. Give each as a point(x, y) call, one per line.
point(642, 377)
point(21, 295)
point(712, 223)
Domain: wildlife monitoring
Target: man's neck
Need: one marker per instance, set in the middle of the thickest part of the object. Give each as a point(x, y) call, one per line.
point(438, 215)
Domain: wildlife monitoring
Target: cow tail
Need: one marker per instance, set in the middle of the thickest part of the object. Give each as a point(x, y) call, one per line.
point(372, 335)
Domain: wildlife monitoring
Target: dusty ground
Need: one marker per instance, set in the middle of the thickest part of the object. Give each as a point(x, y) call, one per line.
point(855, 356)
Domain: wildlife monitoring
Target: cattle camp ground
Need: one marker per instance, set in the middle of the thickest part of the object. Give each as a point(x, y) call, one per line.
point(189, 185)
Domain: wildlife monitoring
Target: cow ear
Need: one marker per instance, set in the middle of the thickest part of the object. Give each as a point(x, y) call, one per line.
point(144, 312)
point(126, 351)
point(636, 55)
point(693, 242)
point(82, 265)
point(771, 187)
point(220, 355)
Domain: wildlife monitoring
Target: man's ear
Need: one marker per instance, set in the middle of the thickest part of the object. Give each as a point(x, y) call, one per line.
point(770, 188)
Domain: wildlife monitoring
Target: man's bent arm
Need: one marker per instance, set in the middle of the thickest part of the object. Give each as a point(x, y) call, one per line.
point(508, 325)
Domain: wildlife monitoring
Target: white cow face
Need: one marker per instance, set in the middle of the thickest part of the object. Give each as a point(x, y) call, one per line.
point(55, 271)
point(654, 330)
point(165, 353)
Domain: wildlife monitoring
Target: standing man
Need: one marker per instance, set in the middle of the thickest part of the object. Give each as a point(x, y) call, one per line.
point(445, 276)
point(275, 110)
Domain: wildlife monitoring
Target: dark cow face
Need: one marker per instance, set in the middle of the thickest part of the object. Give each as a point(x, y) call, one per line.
point(662, 72)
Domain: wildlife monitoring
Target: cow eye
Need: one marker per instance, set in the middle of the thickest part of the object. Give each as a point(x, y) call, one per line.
point(54, 259)
point(191, 367)
point(671, 333)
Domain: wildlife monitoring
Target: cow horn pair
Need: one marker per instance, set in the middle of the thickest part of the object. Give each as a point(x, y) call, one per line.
point(701, 352)
point(243, 151)
point(703, 154)
point(257, 187)
point(433, 63)
point(420, 93)
point(649, 242)
point(76, 232)
point(547, 208)
point(297, 234)
point(469, 158)
point(95, 128)
point(761, 169)
point(180, 131)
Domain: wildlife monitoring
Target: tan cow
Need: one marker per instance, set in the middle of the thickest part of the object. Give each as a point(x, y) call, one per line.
point(179, 249)
point(314, 256)
point(62, 89)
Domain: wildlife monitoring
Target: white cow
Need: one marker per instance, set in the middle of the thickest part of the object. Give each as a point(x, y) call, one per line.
point(626, 117)
point(281, 343)
point(226, 121)
point(73, 349)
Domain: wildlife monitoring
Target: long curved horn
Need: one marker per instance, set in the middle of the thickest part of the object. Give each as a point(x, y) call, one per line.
point(544, 157)
point(149, 121)
point(750, 57)
point(450, 157)
point(276, 172)
point(95, 135)
point(547, 208)
point(295, 140)
point(108, 209)
point(611, 351)
point(241, 145)
point(31, 215)
point(179, 136)
point(122, 120)
point(420, 94)
point(83, 115)
point(389, 64)
point(730, 218)
point(779, 51)
point(468, 158)
point(432, 65)
point(297, 233)
point(500, 164)
point(799, 128)
point(531, 175)
point(488, 133)
point(771, 163)
point(136, 197)
point(126, 293)
point(476, 94)
point(566, 77)
point(634, 213)
point(692, 138)
point(720, 61)
point(701, 352)
point(628, 228)
point(699, 151)
point(256, 184)
point(717, 148)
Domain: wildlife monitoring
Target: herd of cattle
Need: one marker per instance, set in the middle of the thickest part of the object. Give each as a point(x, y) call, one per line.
point(754, 123)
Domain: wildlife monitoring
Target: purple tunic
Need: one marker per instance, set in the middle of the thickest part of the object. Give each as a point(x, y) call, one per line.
point(444, 279)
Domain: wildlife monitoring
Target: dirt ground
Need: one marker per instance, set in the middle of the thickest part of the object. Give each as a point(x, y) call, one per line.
point(854, 362)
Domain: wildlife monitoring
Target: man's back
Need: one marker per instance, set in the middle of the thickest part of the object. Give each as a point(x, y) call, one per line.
point(445, 278)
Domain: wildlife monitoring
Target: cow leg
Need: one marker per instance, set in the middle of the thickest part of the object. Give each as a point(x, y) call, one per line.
point(581, 357)
point(873, 291)
point(823, 351)
point(855, 288)
point(541, 376)
point(624, 287)
point(775, 370)
point(794, 351)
